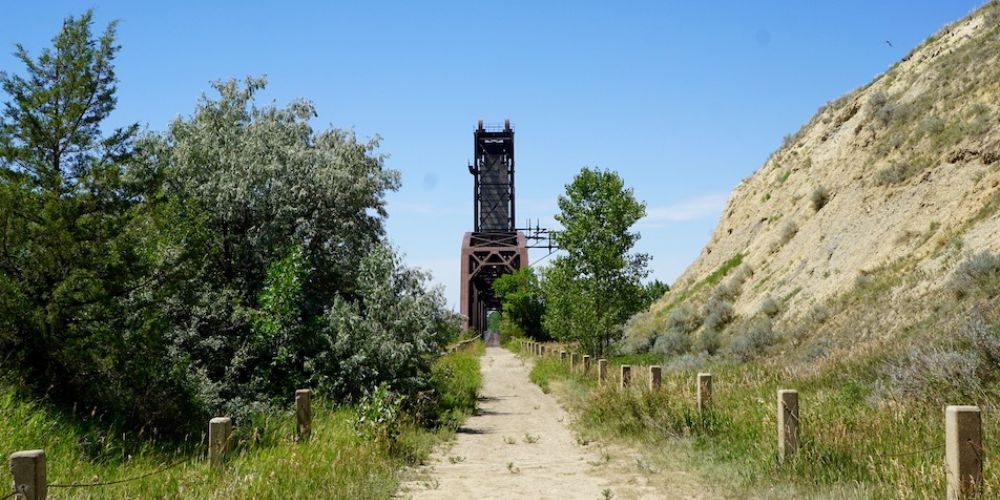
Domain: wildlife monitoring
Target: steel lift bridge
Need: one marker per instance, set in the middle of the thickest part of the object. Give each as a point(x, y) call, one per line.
point(494, 247)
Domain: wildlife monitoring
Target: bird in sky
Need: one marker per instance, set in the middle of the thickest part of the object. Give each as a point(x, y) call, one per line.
point(887, 42)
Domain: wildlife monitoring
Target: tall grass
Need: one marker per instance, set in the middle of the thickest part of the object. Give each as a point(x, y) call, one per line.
point(266, 461)
point(850, 445)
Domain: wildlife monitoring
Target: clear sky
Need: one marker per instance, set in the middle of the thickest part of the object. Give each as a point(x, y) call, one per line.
point(683, 99)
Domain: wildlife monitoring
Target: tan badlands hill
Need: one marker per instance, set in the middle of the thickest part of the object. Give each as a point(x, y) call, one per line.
point(899, 176)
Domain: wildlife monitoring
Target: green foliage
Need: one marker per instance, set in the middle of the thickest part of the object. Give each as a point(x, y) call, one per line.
point(596, 286)
point(210, 269)
point(655, 290)
point(76, 283)
point(456, 380)
point(520, 294)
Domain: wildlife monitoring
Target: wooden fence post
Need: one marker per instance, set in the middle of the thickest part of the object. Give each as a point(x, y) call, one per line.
point(655, 377)
point(562, 356)
point(303, 413)
point(788, 423)
point(28, 469)
point(572, 361)
point(963, 451)
point(704, 391)
point(626, 376)
point(219, 432)
point(586, 364)
point(602, 371)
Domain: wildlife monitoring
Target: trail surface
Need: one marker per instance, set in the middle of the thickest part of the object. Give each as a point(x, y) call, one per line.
point(518, 445)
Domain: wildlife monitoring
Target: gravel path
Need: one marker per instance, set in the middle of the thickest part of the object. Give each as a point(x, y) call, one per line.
point(518, 445)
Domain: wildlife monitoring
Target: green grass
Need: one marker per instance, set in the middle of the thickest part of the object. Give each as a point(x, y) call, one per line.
point(266, 461)
point(713, 278)
point(848, 446)
point(859, 438)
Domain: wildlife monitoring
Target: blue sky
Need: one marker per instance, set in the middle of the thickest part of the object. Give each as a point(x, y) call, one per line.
point(683, 99)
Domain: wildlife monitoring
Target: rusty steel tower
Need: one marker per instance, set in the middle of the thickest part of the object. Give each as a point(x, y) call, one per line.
point(494, 247)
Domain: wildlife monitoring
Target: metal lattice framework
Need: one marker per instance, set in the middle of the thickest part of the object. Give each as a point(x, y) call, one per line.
point(494, 247)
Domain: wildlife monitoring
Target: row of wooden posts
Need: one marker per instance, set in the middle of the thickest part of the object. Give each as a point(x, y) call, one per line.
point(29, 470)
point(964, 454)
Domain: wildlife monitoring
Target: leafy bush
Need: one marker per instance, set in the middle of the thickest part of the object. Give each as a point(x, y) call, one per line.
point(212, 268)
point(770, 307)
point(672, 342)
point(710, 341)
point(757, 337)
point(977, 275)
point(718, 314)
point(379, 416)
point(683, 318)
point(520, 294)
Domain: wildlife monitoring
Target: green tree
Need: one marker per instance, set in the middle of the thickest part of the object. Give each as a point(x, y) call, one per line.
point(73, 279)
point(520, 294)
point(654, 290)
point(596, 286)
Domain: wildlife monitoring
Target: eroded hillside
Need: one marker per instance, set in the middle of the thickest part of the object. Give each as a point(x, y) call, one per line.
point(879, 199)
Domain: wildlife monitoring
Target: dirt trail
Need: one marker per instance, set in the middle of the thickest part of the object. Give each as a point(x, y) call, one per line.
point(518, 445)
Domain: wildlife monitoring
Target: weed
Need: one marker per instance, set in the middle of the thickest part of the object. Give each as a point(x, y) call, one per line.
point(978, 275)
point(819, 197)
point(530, 439)
point(770, 307)
point(509, 440)
point(672, 342)
point(788, 231)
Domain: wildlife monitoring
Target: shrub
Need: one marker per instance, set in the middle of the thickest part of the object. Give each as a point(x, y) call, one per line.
point(820, 196)
point(819, 313)
point(718, 314)
point(686, 363)
point(770, 307)
point(978, 275)
point(927, 373)
point(754, 341)
point(709, 342)
point(894, 174)
point(672, 343)
point(982, 333)
point(683, 318)
point(788, 231)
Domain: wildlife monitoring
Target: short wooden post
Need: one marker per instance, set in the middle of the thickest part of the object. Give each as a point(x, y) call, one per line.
point(602, 371)
point(219, 432)
point(28, 469)
point(626, 376)
point(655, 378)
point(704, 391)
point(586, 364)
point(963, 451)
point(303, 414)
point(562, 356)
point(788, 423)
point(572, 361)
